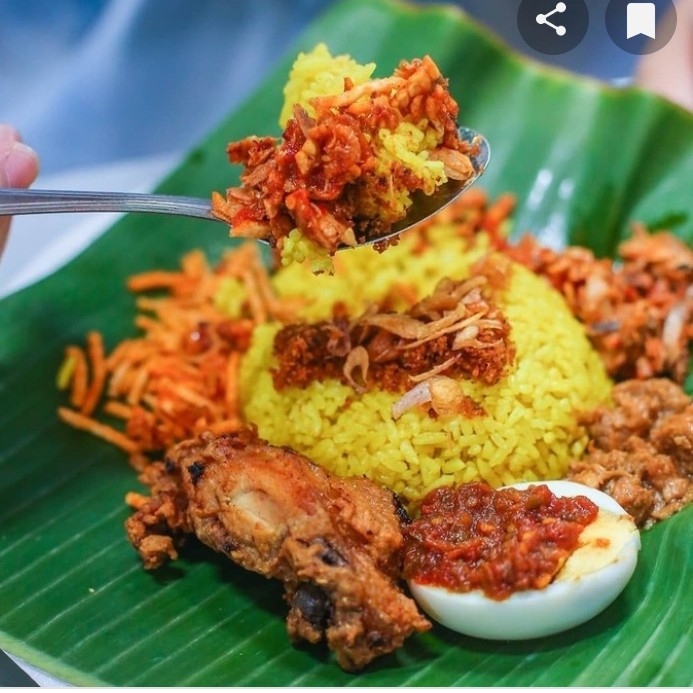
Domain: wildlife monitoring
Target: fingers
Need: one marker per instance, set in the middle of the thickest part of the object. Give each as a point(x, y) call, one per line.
point(18, 163)
point(18, 168)
point(8, 134)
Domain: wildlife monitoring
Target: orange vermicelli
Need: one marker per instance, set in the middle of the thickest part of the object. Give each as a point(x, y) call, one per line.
point(180, 376)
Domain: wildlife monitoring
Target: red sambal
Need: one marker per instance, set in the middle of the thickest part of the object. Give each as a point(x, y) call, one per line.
point(499, 541)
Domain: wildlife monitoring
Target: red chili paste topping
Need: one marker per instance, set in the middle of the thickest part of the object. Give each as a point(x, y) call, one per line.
point(499, 541)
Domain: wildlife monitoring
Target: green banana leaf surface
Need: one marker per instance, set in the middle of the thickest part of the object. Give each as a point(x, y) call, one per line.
point(585, 160)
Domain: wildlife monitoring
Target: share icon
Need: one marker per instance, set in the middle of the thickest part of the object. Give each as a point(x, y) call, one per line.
point(544, 18)
point(561, 26)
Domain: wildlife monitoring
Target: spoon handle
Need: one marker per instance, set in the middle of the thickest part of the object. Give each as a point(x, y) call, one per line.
point(13, 201)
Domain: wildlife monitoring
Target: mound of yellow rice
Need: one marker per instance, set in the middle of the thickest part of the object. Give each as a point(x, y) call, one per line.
point(530, 431)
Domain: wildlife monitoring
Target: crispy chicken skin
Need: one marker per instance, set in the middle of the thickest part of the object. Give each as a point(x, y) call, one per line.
point(334, 542)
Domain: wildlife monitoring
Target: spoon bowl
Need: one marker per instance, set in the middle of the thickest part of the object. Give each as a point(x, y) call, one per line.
point(425, 206)
point(15, 201)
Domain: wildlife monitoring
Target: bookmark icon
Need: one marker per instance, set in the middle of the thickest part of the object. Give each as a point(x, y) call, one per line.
point(641, 19)
point(640, 28)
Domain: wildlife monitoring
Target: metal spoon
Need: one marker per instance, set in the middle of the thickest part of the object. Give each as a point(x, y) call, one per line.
point(14, 201)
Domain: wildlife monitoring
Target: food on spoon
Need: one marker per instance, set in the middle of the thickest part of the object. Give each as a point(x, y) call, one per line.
point(353, 151)
point(334, 542)
point(641, 449)
point(521, 562)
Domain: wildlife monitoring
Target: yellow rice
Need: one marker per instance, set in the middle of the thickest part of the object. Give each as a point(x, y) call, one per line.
point(530, 431)
point(298, 248)
point(318, 73)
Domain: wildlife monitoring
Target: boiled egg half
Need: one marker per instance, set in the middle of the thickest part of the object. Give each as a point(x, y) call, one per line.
point(591, 579)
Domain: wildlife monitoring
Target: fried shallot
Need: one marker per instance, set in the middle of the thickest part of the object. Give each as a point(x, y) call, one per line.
point(456, 331)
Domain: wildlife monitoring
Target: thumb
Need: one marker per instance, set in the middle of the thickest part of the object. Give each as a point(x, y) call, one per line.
point(18, 165)
point(18, 169)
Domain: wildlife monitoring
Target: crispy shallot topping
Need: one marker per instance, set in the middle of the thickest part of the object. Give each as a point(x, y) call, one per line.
point(444, 396)
point(455, 332)
point(357, 359)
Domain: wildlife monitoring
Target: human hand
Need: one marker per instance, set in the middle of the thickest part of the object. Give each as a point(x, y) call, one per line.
point(18, 169)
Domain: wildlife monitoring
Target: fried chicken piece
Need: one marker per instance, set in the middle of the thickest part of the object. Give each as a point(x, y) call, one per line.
point(160, 522)
point(334, 542)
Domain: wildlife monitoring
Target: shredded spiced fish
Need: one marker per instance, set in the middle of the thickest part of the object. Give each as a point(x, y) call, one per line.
point(456, 332)
point(639, 312)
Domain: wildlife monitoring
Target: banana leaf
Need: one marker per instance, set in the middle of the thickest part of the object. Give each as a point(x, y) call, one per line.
point(584, 159)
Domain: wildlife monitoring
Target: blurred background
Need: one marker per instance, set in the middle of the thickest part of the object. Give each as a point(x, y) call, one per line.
point(111, 93)
point(93, 82)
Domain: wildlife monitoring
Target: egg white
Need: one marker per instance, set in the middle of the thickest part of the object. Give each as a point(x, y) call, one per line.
point(587, 584)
